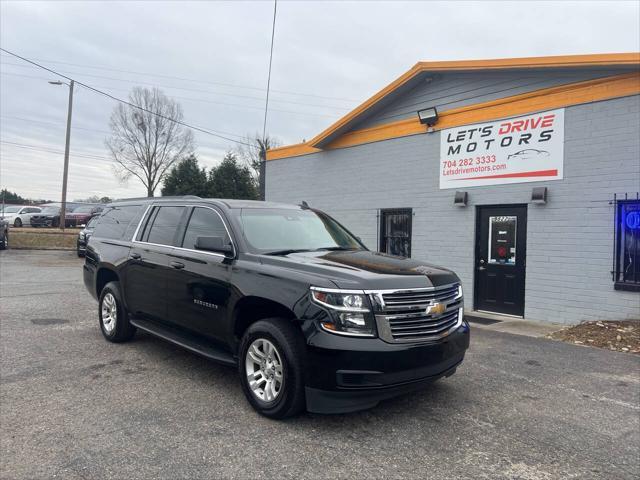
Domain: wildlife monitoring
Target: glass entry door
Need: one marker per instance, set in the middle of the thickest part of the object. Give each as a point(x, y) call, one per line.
point(501, 245)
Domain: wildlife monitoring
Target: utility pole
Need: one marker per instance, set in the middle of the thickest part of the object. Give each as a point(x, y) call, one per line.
point(65, 171)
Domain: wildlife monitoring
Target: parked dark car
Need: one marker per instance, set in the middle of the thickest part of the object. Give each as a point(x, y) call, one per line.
point(80, 215)
point(49, 216)
point(4, 234)
point(84, 235)
point(306, 313)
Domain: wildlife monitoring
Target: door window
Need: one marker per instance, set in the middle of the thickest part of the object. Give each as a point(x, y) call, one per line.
point(165, 225)
point(395, 232)
point(502, 240)
point(204, 222)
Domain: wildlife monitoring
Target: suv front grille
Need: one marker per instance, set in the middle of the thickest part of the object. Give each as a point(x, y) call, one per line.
point(411, 299)
point(408, 316)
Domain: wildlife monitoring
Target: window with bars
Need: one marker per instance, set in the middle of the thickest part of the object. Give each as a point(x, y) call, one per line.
point(395, 231)
point(626, 258)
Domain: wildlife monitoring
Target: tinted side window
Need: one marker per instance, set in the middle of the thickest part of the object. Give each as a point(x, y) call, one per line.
point(165, 225)
point(133, 224)
point(115, 220)
point(204, 223)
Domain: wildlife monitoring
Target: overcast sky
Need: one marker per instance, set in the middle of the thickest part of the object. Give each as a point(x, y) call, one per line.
point(212, 57)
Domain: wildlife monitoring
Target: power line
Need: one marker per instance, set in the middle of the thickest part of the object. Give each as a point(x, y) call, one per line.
point(198, 100)
point(51, 150)
point(148, 74)
point(197, 90)
point(33, 120)
point(266, 104)
point(95, 90)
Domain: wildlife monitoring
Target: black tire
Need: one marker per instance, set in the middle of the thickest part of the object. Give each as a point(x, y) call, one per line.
point(4, 241)
point(290, 346)
point(17, 223)
point(122, 328)
point(80, 254)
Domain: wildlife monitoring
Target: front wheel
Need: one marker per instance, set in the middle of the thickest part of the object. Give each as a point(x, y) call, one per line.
point(114, 320)
point(271, 366)
point(4, 241)
point(17, 223)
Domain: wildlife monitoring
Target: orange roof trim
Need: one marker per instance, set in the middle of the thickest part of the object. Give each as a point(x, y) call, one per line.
point(577, 61)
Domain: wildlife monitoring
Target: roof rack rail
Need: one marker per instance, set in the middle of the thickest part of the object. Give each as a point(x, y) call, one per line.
point(180, 197)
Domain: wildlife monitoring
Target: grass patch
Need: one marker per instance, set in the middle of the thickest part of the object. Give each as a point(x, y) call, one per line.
point(43, 238)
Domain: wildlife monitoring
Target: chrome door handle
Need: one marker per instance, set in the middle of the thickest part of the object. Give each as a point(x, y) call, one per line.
point(177, 265)
point(136, 256)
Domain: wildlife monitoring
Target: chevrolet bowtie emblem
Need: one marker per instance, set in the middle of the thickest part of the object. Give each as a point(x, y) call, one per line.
point(436, 309)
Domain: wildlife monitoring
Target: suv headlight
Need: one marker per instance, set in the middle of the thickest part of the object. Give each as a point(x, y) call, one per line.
point(349, 312)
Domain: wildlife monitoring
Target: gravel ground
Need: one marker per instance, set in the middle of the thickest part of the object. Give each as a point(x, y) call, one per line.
point(74, 406)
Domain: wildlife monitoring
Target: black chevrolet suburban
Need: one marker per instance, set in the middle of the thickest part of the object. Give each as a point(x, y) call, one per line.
point(309, 316)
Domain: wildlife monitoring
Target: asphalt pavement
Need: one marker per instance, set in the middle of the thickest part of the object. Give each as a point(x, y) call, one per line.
point(75, 406)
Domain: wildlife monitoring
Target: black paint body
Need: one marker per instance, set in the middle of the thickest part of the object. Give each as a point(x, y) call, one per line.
point(343, 373)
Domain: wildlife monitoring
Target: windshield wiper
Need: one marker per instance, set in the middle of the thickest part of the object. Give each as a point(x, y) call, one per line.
point(288, 251)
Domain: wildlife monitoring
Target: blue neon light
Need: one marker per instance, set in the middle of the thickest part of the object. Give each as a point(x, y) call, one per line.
point(632, 220)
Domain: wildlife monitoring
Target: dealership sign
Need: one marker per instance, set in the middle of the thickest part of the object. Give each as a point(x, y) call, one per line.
point(514, 150)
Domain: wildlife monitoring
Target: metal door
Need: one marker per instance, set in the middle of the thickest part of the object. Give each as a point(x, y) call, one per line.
point(501, 247)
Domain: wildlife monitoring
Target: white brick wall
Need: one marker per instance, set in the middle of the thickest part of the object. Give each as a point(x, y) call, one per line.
point(570, 239)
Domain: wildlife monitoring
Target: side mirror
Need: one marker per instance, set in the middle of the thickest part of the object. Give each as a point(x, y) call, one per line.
point(213, 244)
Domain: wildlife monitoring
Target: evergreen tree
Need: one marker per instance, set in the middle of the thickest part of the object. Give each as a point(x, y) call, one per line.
point(232, 180)
point(186, 178)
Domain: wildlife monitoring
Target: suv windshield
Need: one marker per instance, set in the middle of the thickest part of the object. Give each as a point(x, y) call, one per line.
point(281, 231)
point(50, 210)
point(83, 209)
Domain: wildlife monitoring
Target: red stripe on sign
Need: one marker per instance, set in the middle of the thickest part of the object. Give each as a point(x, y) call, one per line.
point(539, 173)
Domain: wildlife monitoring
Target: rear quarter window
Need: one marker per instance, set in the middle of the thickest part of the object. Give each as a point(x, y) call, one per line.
point(118, 222)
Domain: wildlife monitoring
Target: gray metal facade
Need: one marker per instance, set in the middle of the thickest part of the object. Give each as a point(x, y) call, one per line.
point(569, 240)
point(454, 90)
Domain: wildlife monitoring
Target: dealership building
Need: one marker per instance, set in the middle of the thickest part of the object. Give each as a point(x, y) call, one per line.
point(521, 175)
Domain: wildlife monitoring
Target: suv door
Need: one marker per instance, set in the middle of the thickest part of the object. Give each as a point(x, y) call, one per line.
point(199, 287)
point(148, 266)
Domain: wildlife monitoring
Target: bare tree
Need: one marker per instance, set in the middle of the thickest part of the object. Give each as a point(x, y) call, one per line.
point(145, 142)
point(255, 154)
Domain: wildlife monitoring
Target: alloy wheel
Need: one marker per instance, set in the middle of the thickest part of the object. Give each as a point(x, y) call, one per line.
point(109, 313)
point(263, 366)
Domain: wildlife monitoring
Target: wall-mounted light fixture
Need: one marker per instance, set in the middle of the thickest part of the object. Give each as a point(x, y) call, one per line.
point(460, 199)
point(428, 116)
point(539, 195)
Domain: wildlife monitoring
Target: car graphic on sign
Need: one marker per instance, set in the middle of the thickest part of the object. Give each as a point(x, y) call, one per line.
point(528, 154)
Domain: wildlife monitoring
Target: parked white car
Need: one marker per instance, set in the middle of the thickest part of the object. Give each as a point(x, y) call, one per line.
point(18, 215)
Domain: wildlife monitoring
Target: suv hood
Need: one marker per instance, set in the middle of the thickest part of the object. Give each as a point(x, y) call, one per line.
point(365, 270)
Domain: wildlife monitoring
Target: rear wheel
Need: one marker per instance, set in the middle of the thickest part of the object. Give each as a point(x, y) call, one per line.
point(114, 320)
point(4, 240)
point(17, 222)
point(271, 367)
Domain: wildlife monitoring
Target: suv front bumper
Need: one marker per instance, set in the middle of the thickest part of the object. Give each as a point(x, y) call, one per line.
point(347, 374)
